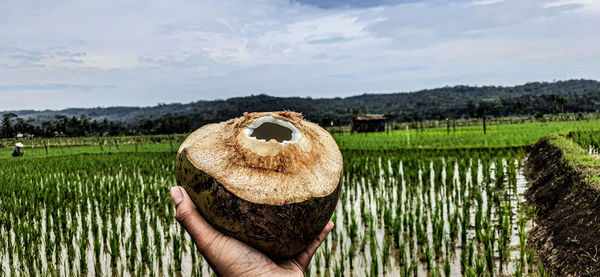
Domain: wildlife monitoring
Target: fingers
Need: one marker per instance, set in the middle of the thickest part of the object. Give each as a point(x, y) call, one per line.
point(226, 256)
point(201, 232)
point(304, 257)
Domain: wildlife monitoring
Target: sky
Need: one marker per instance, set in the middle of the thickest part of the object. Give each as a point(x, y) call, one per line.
point(65, 53)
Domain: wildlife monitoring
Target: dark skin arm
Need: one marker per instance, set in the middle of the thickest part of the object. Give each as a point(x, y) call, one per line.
point(230, 257)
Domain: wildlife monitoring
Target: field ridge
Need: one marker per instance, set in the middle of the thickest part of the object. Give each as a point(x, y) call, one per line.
point(565, 188)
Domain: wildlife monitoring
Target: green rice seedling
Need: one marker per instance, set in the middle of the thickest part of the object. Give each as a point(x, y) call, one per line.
point(406, 270)
point(541, 271)
point(479, 265)
point(470, 272)
point(196, 271)
point(341, 241)
point(373, 250)
point(176, 241)
point(502, 253)
point(342, 262)
point(395, 230)
point(318, 262)
point(145, 254)
point(464, 262)
point(387, 218)
point(363, 243)
point(409, 223)
point(115, 245)
point(327, 255)
point(489, 259)
point(97, 249)
point(438, 235)
point(385, 255)
point(447, 268)
point(427, 257)
point(522, 243)
point(415, 268)
point(518, 270)
point(471, 254)
point(191, 247)
point(353, 228)
point(158, 242)
point(373, 271)
point(421, 230)
point(530, 254)
point(82, 255)
point(453, 226)
point(478, 216)
point(131, 253)
point(351, 255)
point(170, 271)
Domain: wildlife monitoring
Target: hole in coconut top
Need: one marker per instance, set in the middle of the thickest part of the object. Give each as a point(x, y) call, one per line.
point(267, 128)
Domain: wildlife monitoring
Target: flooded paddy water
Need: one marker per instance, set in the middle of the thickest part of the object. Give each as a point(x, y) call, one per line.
point(430, 216)
point(399, 215)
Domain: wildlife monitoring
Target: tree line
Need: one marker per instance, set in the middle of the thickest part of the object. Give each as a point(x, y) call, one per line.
point(61, 126)
point(458, 102)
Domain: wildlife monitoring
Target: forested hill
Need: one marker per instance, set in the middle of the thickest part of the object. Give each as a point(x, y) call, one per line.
point(439, 103)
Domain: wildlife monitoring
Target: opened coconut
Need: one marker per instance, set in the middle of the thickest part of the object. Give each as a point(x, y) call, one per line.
point(271, 179)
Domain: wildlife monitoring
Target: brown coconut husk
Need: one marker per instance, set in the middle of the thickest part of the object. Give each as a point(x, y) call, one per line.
point(275, 194)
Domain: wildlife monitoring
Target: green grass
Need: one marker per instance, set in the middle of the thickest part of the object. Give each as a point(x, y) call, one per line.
point(31, 153)
point(465, 137)
point(579, 159)
point(587, 138)
point(505, 135)
point(91, 140)
point(574, 153)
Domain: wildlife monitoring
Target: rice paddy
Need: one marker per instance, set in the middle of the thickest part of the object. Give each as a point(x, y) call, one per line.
point(436, 214)
point(442, 215)
point(588, 139)
point(443, 137)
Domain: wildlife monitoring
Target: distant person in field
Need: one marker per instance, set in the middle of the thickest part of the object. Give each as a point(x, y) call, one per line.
point(17, 151)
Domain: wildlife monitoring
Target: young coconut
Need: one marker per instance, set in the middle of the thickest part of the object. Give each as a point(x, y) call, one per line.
point(271, 179)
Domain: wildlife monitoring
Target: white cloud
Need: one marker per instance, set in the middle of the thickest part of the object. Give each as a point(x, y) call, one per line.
point(593, 5)
point(485, 2)
point(142, 53)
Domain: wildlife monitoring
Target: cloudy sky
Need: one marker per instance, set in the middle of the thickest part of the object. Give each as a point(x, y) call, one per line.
point(66, 53)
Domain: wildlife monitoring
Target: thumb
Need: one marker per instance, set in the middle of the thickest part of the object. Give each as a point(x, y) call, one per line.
point(186, 213)
point(303, 258)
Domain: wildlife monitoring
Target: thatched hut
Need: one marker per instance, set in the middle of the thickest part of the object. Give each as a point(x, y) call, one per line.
point(369, 123)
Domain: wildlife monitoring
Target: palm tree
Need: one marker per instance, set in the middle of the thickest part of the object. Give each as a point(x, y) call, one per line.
point(6, 124)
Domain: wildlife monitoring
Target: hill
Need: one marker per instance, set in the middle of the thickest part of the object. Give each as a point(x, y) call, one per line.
point(438, 103)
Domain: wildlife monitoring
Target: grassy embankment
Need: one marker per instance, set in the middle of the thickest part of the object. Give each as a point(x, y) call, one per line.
point(565, 188)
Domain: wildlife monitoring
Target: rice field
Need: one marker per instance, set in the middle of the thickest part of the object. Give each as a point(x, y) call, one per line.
point(440, 213)
point(588, 139)
point(443, 137)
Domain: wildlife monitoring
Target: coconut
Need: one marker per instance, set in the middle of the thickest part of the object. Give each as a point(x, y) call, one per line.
point(269, 179)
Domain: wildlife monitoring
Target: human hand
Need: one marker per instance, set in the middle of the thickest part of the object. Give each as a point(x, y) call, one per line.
point(230, 257)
